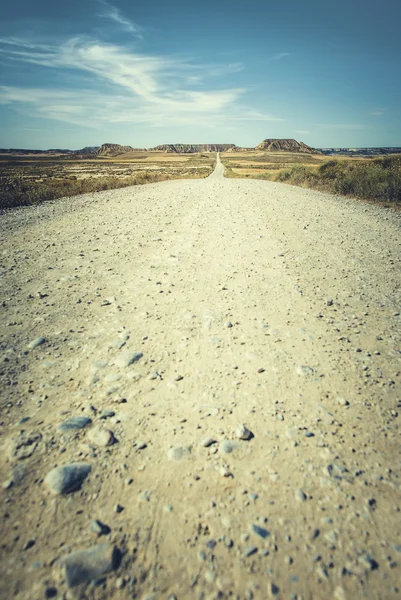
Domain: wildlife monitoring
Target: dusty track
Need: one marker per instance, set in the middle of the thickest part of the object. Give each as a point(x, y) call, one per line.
point(252, 302)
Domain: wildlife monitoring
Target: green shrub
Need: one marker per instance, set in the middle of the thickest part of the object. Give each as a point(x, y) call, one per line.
point(378, 179)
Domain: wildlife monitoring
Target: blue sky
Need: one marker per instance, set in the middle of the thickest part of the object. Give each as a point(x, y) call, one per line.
point(87, 72)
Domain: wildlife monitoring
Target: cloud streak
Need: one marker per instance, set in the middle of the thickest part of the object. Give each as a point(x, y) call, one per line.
point(130, 87)
point(113, 14)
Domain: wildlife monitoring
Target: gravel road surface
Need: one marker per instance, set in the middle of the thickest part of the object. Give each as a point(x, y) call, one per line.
point(200, 395)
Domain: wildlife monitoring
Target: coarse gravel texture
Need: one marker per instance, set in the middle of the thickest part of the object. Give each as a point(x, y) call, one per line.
point(253, 304)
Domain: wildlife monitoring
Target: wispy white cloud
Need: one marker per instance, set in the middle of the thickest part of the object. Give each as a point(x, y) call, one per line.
point(377, 113)
point(131, 87)
point(279, 55)
point(112, 13)
point(302, 131)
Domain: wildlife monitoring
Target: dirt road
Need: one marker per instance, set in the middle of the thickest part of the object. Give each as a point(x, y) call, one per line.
point(169, 316)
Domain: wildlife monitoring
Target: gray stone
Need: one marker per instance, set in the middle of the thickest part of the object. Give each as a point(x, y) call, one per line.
point(101, 437)
point(74, 423)
point(227, 446)
point(260, 531)
point(305, 370)
point(300, 495)
point(68, 478)
point(99, 528)
point(128, 358)
point(24, 445)
point(206, 442)
point(250, 550)
point(242, 432)
point(177, 453)
point(37, 342)
point(84, 566)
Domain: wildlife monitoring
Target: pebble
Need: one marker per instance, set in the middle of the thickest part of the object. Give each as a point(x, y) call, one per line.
point(74, 423)
point(242, 432)
point(259, 531)
point(250, 550)
point(107, 414)
point(23, 445)
point(128, 358)
point(305, 370)
point(342, 401)
point(206, 442)
point(99, 527)
point(118, 508)
point(228, 324)
point(36, 342)
point(177, 453)
point(300, 495)
point(227, 446)
point(84, 566)
point(140, 445)
point(101, 437)
point(120, 583)
point(68, 478)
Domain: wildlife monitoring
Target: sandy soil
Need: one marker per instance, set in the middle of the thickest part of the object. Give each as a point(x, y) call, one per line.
point(252, 303)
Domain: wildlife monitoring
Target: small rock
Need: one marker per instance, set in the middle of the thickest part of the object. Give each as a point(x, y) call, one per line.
point(259, 531)
point(206, 442)
point(74, 423)
point(120, 583)
point(225, 472)
point(37, 342)
point(86, 565)
point(128, 358)
point(24, 445)
point(242, 432)
point(305, 370)
point(227, 446)
point(118, 508)
point(300, 496)
point(68, 478)
point(342, 401)
point(29, 544)
point(177, 453)
point(101, 437)
point(250, 550)
point(99, 528)
point(140, 445)
point(106, 414)
point(228, 324)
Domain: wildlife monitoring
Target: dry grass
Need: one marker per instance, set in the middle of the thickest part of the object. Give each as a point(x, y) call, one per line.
point(375, 179)
point(27, 180)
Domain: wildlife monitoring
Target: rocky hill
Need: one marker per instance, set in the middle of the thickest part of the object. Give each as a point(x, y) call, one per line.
point(191, 148)
point(112, 150)
point(285, 145)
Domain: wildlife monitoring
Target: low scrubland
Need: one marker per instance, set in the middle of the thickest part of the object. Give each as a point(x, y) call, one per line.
point(376, 179)
point(28, 181)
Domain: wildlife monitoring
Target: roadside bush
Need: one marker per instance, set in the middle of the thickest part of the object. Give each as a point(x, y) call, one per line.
point(375, 179)
point(17, 191)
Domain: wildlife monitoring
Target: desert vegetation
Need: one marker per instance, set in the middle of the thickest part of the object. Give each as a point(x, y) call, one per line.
point(376, 179)
point(29, 180)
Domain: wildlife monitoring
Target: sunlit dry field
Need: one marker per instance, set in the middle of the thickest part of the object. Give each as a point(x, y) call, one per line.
point(265, 165)
point(377, 179)
point(30, 179)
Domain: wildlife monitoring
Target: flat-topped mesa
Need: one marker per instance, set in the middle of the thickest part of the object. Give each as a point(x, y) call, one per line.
point(112, 150)
point(285, 145)
point(192, 148)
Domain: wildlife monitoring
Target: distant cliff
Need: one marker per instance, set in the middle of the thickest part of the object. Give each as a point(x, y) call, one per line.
point(112, 150)
point(190, 148)
point(285, 145)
